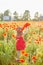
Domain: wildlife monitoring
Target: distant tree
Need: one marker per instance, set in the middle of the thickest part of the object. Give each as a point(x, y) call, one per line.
point(36, 16)
point(41, 17)
point(15, 15)
point(1, 16)
point(26, 15)
point(6, 13)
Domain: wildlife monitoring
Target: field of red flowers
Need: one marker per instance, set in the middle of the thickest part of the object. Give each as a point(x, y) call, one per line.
point(32, 55)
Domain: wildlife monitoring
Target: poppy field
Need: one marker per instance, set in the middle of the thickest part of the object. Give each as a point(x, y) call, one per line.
point(33, 53)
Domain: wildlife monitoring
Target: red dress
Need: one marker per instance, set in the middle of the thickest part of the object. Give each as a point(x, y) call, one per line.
point(20, 45)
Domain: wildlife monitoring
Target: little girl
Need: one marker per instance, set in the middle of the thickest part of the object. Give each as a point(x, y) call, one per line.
point(20, 44)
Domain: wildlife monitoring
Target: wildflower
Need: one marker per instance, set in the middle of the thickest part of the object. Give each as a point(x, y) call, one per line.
point(30, 37)
point(6, 29)
point(41, 29)
point(10, 26)
point(5, 24)
point(37, 41)
point(29, 41)
point(34, 32)
point(14, 28)
point(39, 38)
point(34, 58)
point(1, 25)
point(22, 60)
point(26, 54)
point(23, 52)
point(13, 36)
point(4, 34)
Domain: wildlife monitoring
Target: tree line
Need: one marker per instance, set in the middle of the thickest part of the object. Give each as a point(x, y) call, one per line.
point(25, 17)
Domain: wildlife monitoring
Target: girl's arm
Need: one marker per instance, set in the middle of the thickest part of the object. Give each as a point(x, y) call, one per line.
point(26, 31)
point(25, 26)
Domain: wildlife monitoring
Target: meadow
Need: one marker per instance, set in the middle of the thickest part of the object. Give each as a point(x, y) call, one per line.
point(32, 55)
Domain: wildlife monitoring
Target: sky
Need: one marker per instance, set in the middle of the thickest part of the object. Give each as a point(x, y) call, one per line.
point(21, 5)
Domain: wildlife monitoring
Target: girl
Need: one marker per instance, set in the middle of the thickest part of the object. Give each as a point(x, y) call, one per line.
point(20, 44)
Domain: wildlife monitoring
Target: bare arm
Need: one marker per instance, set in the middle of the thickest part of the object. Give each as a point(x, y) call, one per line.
point(26, 31)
